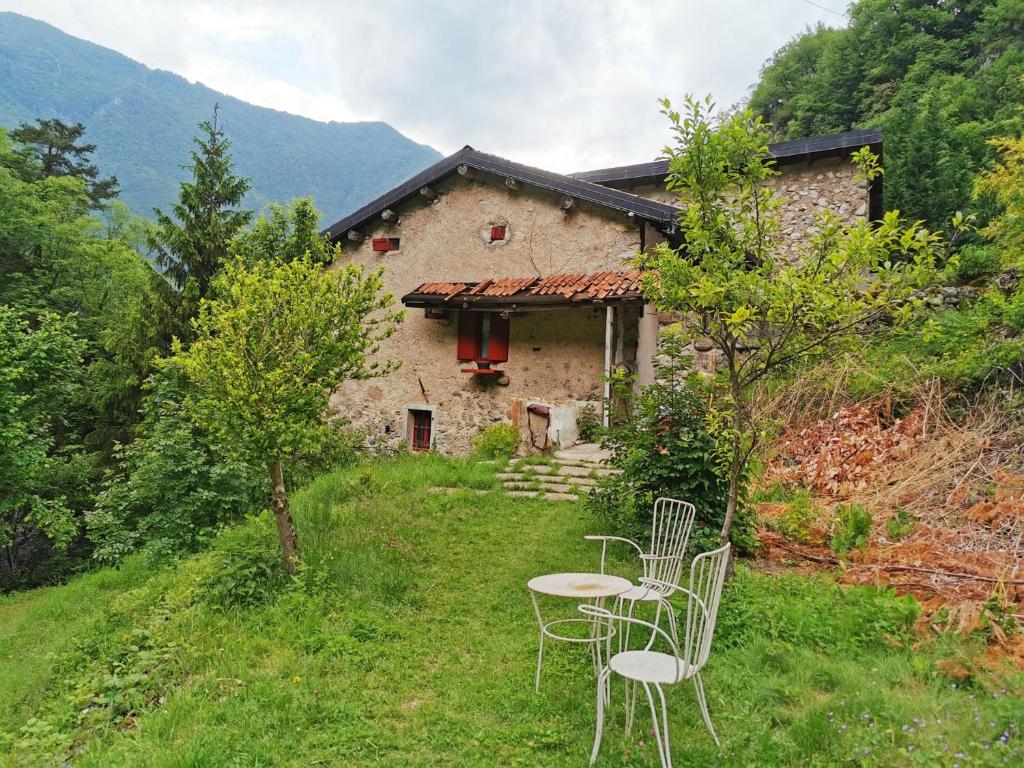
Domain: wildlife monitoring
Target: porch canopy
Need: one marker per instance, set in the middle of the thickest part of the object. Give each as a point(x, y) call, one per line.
point(529, 293)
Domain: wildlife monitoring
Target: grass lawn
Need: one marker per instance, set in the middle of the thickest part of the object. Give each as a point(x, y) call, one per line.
point(409, 639)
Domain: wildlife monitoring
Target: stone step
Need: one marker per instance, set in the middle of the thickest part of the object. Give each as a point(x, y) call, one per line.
point(545, 496)
point(527, 485)
point(574, 471)
point(450, 490)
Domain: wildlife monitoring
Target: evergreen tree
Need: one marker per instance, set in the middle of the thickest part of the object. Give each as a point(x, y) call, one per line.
point(191, 245)
point(51, 149)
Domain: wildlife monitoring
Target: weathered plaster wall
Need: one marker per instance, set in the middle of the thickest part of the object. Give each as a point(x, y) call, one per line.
point(554, 356)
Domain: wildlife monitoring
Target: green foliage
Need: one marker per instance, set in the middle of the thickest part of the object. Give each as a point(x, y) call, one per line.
point(191, 246)
point(899, 525)
point(666, 448)
point(38, 378)
point(498, 441)
point(284, 233)
point(244, 570)
point(799, 518)
point(939, 78)
point(973, 262)
point(802, 671)
point(273, 344)
point(50, 149)
point(588, 423)
point(175, 485)
point(794, 610)
point(851, 528)
point(729, 285)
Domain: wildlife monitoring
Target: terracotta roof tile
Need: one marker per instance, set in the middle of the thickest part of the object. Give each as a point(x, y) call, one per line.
point(571, 287)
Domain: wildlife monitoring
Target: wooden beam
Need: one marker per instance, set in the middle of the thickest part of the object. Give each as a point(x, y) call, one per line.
point(356, 237)
point(389, 216)
point(514, 184)
point(466, 172)
point(428, 193)
point(567, 202)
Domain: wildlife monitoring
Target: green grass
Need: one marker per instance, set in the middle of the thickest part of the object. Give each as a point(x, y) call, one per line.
point(409, 640)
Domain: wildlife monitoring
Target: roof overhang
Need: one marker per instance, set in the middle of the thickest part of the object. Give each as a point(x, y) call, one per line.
point(784, 152)
point(529, 293)
point(468, 161)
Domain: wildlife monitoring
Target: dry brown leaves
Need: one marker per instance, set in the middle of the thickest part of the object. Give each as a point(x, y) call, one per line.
point(962, 483)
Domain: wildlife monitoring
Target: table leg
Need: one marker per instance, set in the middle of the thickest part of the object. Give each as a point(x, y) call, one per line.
point(540, 649)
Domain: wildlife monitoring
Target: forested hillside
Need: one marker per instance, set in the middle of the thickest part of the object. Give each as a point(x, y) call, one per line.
point(940, 78)
point(140, 119)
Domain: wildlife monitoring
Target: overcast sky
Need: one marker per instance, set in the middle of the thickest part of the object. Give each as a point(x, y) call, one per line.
point(562, 84)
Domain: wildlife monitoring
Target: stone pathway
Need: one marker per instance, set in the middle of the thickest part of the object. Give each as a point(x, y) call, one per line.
point(570, 475)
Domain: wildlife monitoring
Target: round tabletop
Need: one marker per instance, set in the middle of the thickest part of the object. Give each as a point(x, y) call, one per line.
point(583, 585)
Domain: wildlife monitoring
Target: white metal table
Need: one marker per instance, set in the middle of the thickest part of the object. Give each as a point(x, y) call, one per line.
point(580, 586)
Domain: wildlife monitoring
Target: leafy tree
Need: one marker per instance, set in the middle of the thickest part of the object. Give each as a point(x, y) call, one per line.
point(53, 150)
point(38, 378)
point(276, 339)
point(730, 285)
point(192, 245)
point(284, 233)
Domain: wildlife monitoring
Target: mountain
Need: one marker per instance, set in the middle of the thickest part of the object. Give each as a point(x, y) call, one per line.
point(143, 120)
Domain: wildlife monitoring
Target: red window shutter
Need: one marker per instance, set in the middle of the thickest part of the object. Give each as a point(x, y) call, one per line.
point(498, 232)
point(498, 352)
point(381, 244)
point(469, 335)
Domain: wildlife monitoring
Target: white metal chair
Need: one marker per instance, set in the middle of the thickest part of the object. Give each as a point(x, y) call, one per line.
point(653, 669)
point(663, 563)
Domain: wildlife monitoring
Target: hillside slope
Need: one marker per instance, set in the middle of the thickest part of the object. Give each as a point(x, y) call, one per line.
point(142, 121)
point(409, 640)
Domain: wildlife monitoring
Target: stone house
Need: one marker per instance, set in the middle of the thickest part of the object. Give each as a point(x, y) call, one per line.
point(519, 299)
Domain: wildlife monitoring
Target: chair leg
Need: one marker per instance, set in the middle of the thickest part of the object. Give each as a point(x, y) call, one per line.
point(630, 705)
point(540, 659)
point(660, 731)
point(699, 685)
point(602, 683)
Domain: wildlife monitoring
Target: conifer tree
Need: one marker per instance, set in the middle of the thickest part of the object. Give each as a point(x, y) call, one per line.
point(191, 244)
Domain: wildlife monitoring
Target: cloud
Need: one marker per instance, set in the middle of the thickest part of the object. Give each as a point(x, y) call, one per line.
point(565, 85)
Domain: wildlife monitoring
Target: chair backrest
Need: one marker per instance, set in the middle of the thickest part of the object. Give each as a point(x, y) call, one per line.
point(670, 533)
point(707, 575)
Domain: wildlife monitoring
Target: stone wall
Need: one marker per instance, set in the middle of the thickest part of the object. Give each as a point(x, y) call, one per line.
point(806, 189)
point(555, 356)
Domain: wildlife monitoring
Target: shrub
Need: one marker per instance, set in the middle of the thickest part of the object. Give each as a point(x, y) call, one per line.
point(588, 423)
point(665, 449)
point(498, 441)
point(973, 262)
point(175, 486)
point(246, 568)
point(899, 525)
point(799, 518)
point(852, 528)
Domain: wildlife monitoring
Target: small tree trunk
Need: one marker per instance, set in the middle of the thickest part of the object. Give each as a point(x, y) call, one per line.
point(735, 471)
point(283, 517)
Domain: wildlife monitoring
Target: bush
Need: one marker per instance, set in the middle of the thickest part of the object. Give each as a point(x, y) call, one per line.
point(588, 423)
point(852, 528)
point(175, 486)
point(246, 568)
point(666, 449)
point(974, 262)
point(498, 441)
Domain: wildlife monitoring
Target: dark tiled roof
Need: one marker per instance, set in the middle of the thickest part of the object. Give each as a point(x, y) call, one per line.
point(783, 152)
point(657, 213)
point(597, 287)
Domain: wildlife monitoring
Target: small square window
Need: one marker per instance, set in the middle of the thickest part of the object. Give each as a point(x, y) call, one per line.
point(497, 233)
point(385, 244)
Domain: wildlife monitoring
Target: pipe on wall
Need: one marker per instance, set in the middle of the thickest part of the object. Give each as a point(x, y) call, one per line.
point(609, 332)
